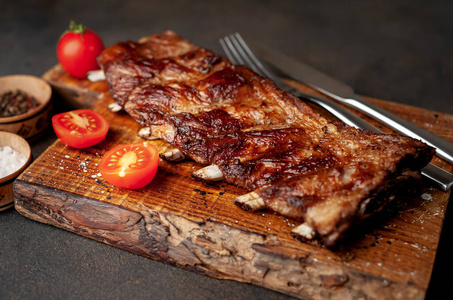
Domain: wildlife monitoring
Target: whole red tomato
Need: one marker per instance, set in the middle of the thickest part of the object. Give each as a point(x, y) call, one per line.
point(77, 50)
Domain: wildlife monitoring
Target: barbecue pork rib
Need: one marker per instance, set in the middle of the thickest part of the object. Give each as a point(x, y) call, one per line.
point(327, 175)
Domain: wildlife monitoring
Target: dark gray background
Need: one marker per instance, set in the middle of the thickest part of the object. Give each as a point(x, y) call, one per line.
point(399, 51)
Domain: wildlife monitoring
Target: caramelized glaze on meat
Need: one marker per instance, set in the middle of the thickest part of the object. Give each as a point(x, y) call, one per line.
point(328, 175)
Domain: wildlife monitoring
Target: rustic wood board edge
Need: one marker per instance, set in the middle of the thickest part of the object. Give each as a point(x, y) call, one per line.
point(206, 248)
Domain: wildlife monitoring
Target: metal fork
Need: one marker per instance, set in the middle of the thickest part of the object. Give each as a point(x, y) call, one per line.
point(238, 52)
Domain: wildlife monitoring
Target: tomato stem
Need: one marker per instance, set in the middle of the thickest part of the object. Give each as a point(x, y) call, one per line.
point(77, 28)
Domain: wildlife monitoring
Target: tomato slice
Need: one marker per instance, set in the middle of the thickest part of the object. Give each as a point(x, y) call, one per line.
point(80, 128)
point(130, 166)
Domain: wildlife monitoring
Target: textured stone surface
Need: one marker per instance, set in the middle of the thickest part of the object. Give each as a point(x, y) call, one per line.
point(399, 51)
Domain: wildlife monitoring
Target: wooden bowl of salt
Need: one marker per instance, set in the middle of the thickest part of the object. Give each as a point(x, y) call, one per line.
point(15, 156)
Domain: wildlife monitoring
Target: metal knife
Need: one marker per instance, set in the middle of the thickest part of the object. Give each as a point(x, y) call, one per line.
point(440, 177)
point(346, 95)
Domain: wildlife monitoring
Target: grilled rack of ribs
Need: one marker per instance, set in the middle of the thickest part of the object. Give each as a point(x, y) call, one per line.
point(327, 175)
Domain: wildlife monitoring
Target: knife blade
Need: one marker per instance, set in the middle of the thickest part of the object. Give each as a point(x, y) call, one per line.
point(345, 94)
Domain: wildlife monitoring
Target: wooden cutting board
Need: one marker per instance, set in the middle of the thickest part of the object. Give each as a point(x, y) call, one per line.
point(193, 225)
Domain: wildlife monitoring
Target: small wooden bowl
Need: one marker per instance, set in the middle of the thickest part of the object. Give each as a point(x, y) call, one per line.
point(6, 183)
point(30, 124)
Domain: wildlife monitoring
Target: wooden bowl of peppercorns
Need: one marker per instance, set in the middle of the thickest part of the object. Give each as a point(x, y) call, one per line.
point(25, 105)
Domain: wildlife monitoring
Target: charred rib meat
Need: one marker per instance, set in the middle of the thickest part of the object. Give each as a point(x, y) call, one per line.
point(326, 175)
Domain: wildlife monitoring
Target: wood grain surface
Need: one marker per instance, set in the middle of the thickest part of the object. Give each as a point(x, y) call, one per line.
point(193, 225)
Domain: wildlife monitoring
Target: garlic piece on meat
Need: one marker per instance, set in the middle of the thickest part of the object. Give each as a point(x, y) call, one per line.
point(305, 231)
point(96, 75)
point(173, 155)
point(209, 173)
point(115, 107)
point(250, 202)
point(145, 133)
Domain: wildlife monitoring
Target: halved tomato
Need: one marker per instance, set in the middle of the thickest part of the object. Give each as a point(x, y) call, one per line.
point(130, 166)
point(80, 128)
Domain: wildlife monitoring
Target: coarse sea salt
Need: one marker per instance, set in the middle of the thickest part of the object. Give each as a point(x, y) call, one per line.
point(426, 196)
point(10, 161)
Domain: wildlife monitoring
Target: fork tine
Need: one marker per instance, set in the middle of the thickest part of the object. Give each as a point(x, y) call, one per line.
point(251, 58)
point(226, 49)
point(236, 53)
point(231, 50)
point(238, 44)
point(248, 55)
